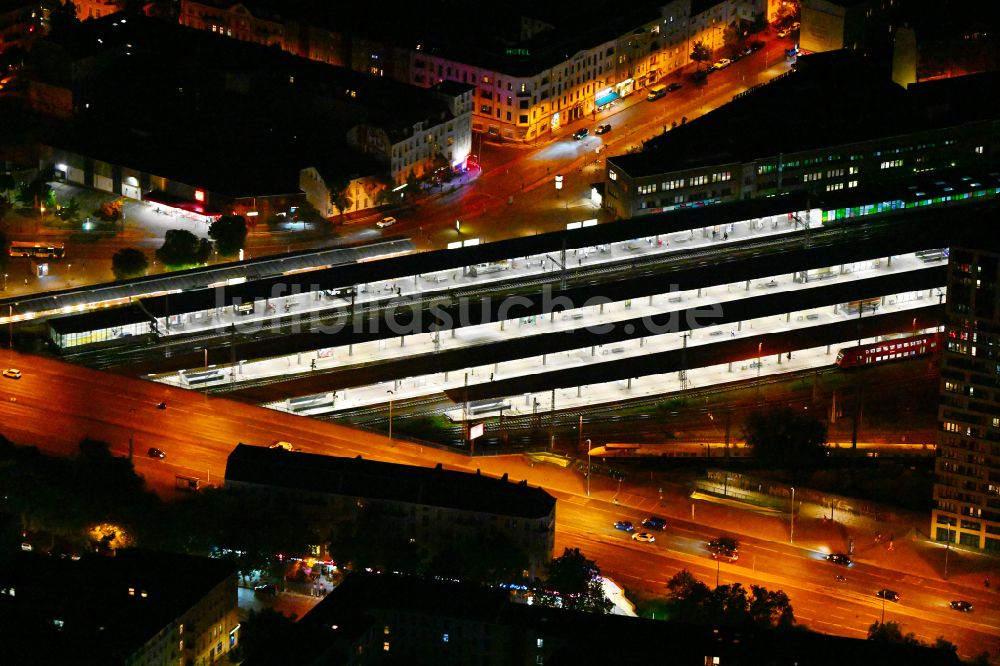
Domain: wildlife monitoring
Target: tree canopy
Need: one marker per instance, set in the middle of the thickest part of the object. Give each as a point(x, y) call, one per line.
point(183, 248)
point(691, 600)
point(785, 436)
point(340, 197)
point(129, 262)
point(229, 233)
point(578, 582)
point(700, 52)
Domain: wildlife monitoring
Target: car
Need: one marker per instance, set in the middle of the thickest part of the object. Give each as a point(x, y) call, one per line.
point(963, 606)
point(887, 594)
point(644, 537)
point(673, 87)
point(839, 558)
point(722, 64)
point(745, 51)
point(385, 222)
point(154, 452)
point(284, 446)
point(12, 373)
point(265, 590)
point(602, 129)
point(624, 526)
point(700, 75)
point(724, 548)
point(784, 33)
point(755, 46)
point(655, 523)
point(796, 25)
point(581, 133)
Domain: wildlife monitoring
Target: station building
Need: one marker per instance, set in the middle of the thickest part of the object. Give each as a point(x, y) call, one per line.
point(806, 139)
point(432, 506)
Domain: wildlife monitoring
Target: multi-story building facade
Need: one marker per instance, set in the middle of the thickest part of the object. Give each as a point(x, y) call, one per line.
point(557, 69)
point(138, 607)
point(430, 506)
point(967, 485)
point(931, 126)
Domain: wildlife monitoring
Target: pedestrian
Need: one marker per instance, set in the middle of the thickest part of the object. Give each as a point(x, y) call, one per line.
point(986, 583)
point(313, 366)
point(725, 236)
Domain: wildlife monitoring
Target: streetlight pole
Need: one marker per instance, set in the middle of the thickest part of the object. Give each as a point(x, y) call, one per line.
point(791, 520)
point(588, 468)
point(391, 394)
point(760, 347)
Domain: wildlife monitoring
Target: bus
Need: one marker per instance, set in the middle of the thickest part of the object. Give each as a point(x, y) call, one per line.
point(37, 250)
point(656, 92)
point(889, 350)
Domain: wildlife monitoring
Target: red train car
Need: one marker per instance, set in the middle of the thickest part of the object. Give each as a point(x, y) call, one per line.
point(889, 350)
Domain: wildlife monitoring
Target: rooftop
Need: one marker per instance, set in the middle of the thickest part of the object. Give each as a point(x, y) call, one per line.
point(356, 477)
point(798, 113)
point(100, 621)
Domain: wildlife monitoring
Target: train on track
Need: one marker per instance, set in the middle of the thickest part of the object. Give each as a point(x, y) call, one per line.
point(889, 350)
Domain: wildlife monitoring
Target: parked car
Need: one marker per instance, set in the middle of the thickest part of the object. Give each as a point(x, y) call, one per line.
point(624, 526)
point(722, 64)
point(581, 133)
point(839, 558)
point(724, 548)
point(602, 129)
point(12, 373)
point(673, 87)
point(655, 523)
point(385, 222)
point(963, 606)
point(644, 537)
point(755, 46)
point(784, 33)
point(284, 446)
point(887, 594)
point(154, 452)
point(265, 590)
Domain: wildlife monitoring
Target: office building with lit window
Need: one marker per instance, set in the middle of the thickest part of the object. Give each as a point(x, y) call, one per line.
point(967, 486)
point(796, 135)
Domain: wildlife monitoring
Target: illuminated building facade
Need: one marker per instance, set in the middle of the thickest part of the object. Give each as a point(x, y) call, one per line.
point(967, 485)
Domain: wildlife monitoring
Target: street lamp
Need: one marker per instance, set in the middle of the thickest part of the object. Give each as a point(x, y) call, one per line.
point(588, 468)
point(760, 346)
point(391, 394)
point(791, 520)
point(5, 282)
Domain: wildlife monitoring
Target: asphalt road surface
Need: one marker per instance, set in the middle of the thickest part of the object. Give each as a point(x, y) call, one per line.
point(55, 404)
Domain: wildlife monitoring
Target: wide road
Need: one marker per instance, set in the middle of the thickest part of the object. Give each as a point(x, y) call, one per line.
point(55, 404)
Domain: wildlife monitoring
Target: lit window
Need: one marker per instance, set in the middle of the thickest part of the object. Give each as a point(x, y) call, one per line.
point(385, 646)
point(612, 175)
point(979, 150)
point(540, 643)
point(444, 638)
point(385, 630)
point(199, 195)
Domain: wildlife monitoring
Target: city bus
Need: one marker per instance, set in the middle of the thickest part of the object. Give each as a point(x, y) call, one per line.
point(37, 250)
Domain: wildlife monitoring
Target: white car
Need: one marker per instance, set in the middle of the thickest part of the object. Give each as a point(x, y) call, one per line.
point(12, 373)
point(285, 446)
point(385, 222)
point(722, 64)
point(644, 537)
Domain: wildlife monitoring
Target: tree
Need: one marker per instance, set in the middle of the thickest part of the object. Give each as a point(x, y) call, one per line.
point(38, 192)
point(7, 182)
point(891, 632)
point(70, 210)
point(785, 436)
point(700, 52)
point(340, 197)
point(690, 599)
point(578, 582)
point(110, 211)
point(229, 233)
point(183, 248)
point(62, 17)
point(129, 262)
point(412, 184)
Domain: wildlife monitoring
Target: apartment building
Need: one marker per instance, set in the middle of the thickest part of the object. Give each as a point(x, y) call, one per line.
point(430, 506)
point(137, 607)
point(930, 126)
point(534, 71)
point(967, 485)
